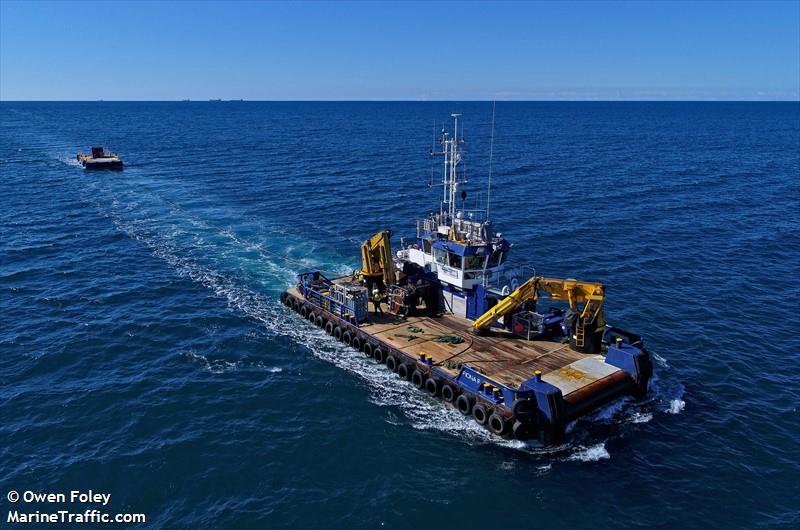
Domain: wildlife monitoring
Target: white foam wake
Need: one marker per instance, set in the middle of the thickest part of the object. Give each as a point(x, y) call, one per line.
point(221, 366)
point(676, 406)
point(592, 453)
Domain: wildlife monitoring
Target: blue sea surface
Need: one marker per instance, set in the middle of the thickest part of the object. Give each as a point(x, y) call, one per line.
point(144, 351)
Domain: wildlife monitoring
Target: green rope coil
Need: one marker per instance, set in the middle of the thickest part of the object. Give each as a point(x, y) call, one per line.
point(450, 339)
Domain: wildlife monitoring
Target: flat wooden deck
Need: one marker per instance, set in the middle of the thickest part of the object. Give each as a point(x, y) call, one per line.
point(502, 356)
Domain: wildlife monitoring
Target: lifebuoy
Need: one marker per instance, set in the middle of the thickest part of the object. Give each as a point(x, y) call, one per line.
point(337, 333)
point(524, 410)
point(464, 404)
point(497, 424)
point(432, 386)
point(480, 414)
point(418, 379)
point(448, 393)
point(391, 363)
point(379, 355)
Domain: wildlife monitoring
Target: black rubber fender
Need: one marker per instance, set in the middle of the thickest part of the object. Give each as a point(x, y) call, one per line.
point(319, 321)
point(347, 337)
point(284, 297)
point(523, 431)
point(448, 393)
point(303, 311)
point(418, 379)
point(391, 363)
point(329, 327)
point(432, 386)
point(337, 333)
point(498, 424)
point(480, 414)
point(524, 410)
point(379, 355)
point(368, 348)
point(464, 404)
point(404, 371)
point(312, 316)
point(356, 343)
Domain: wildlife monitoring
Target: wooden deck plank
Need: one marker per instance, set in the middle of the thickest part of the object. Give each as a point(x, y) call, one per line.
point(508, 359)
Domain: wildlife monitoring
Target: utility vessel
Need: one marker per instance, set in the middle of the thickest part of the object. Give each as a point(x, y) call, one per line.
point(452, 315)
point(99, 159)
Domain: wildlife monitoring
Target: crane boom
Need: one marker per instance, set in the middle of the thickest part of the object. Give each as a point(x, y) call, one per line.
point(526, 291)
point(376, 259)
point(574, 292)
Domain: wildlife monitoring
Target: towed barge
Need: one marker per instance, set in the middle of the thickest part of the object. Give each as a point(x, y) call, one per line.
point(451, 316)
point(99, 159)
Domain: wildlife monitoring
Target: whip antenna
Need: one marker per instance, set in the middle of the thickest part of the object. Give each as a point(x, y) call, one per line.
point(491, 152)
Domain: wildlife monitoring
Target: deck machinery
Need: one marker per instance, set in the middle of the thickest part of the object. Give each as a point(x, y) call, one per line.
point(452, 315)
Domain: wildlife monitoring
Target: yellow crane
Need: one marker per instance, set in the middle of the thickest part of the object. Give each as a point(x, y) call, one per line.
point(590, 318)
point(377, 266)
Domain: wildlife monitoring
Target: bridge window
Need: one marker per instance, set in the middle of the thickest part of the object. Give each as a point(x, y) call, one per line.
point(473, 262)
point(454, 260)
point(440, 256)
point(495, 259)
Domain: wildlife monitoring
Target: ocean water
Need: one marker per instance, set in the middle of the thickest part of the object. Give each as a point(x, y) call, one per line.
point(144, 352)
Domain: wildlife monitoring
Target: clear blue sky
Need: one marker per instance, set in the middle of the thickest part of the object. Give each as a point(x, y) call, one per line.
point(412, 50)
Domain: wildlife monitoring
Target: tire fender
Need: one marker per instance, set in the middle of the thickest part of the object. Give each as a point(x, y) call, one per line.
point(391, 363)
point(522, 431)
point(464, 404)
point(379, 355)
point(498, 424)
point(524, 410)
point(480, 414)
point(418, 379)
point(432, 386)
point(448, 393)
point(404, 372)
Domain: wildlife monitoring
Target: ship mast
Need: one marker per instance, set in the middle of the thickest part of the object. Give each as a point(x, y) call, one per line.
point(450, 174)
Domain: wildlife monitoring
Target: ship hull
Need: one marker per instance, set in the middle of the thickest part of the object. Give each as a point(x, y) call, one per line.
point(524, 389)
